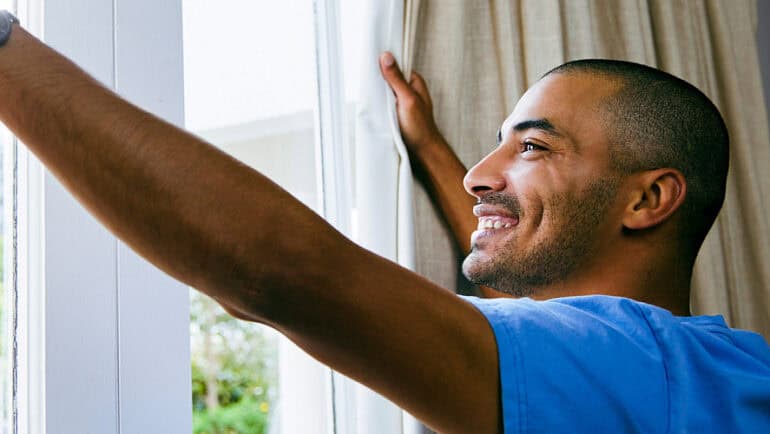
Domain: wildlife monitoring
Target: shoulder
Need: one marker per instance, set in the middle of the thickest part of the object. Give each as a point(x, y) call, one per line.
point(617, 365)
point(594, 359)
point(598, 330)
point(561, 315)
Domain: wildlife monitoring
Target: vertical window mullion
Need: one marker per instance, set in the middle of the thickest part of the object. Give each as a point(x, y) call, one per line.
point(355, 407)
point(334, 158)
point(29, 367)
point(154, 378)
point(334, 180)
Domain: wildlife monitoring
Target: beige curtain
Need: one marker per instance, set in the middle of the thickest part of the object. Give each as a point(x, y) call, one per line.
point(480, 56)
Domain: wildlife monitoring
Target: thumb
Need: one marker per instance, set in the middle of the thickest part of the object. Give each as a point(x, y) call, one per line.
point(393, 76)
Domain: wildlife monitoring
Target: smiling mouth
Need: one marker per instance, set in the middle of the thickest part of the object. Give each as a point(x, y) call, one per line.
point(496, 223)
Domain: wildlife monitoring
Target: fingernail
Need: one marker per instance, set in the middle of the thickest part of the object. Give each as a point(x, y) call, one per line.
point(387, 59)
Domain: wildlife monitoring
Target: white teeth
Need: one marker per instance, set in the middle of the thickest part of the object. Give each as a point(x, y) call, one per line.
point(492, 223)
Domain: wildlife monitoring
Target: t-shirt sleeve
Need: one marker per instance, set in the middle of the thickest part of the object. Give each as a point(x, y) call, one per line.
point(591, 366)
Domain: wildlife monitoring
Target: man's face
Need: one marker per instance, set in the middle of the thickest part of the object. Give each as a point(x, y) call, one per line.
point(546, 192)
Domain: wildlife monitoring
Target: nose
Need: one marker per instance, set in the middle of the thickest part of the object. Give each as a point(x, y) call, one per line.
point(486, 176)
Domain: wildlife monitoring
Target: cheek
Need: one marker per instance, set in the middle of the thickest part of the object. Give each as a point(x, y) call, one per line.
point(542, 191)
point(547, 188)
point(556, 209)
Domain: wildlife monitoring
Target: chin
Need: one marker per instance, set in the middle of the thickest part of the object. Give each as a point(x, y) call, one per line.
point(478, 270)
point(483, 270)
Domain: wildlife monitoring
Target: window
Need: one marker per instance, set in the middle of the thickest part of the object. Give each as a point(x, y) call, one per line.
point(255, 99)
point(7, 299)
point(102, 335)
point(7, 272)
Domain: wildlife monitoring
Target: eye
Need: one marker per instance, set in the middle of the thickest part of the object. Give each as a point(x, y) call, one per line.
point(530, 147)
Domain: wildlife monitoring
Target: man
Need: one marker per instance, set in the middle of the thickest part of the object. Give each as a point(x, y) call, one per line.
point(606, 179)
point(638, 137)
point(580, 364)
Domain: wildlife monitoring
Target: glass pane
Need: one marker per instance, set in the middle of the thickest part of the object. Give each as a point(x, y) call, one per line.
point(250, 90)
point(7, 258)
point(7, 293)
point(352, 21)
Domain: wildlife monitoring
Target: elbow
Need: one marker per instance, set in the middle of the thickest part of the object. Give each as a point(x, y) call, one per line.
point(268, 277)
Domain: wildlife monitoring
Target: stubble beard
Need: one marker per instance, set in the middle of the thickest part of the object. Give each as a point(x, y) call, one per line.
point(521, 271)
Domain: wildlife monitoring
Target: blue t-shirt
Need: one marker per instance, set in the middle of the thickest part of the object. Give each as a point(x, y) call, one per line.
point(601, 364)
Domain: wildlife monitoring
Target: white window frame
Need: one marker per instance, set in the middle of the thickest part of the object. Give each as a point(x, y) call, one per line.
point(356, 408)
point(103, 335)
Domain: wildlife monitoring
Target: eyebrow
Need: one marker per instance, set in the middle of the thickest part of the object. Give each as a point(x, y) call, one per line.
point(541, 124)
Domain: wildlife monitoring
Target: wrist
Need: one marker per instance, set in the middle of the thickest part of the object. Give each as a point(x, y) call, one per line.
point(7, 20)
point(430, 148)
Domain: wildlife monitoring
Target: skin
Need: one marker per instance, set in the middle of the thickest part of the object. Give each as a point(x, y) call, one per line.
point(545, 169)
point(417, 344)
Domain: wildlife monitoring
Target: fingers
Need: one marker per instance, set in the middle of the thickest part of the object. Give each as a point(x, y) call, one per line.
point(392, 74)
point(419, 86)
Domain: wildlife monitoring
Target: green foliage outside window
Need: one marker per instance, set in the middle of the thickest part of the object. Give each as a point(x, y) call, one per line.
point(245, 416)
point(233, 372)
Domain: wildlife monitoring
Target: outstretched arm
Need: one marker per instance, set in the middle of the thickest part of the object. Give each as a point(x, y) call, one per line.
point(437, 166)
point(228, 231)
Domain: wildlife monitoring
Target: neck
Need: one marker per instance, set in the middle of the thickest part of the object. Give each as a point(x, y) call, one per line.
point(640, 273)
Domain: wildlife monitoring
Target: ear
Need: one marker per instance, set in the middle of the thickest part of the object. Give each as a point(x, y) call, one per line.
point(657, 194)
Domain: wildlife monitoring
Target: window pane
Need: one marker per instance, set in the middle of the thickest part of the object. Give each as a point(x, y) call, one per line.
point(7, 258)
point(250, 90)
point(7, 291)
point(352, 20)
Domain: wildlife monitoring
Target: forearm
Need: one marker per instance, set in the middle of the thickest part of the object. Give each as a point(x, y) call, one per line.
point(223, 228)
point(441, 172)
point(197, 213)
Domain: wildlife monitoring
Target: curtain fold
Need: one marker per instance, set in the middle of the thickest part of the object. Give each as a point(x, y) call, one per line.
point(733, 272)
point(384, 192)
point(499, 48)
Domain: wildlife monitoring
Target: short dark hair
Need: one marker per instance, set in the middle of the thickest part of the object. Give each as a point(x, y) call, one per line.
point(657, 120)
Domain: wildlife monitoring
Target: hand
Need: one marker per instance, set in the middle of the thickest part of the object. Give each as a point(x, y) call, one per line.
point(413, 105)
